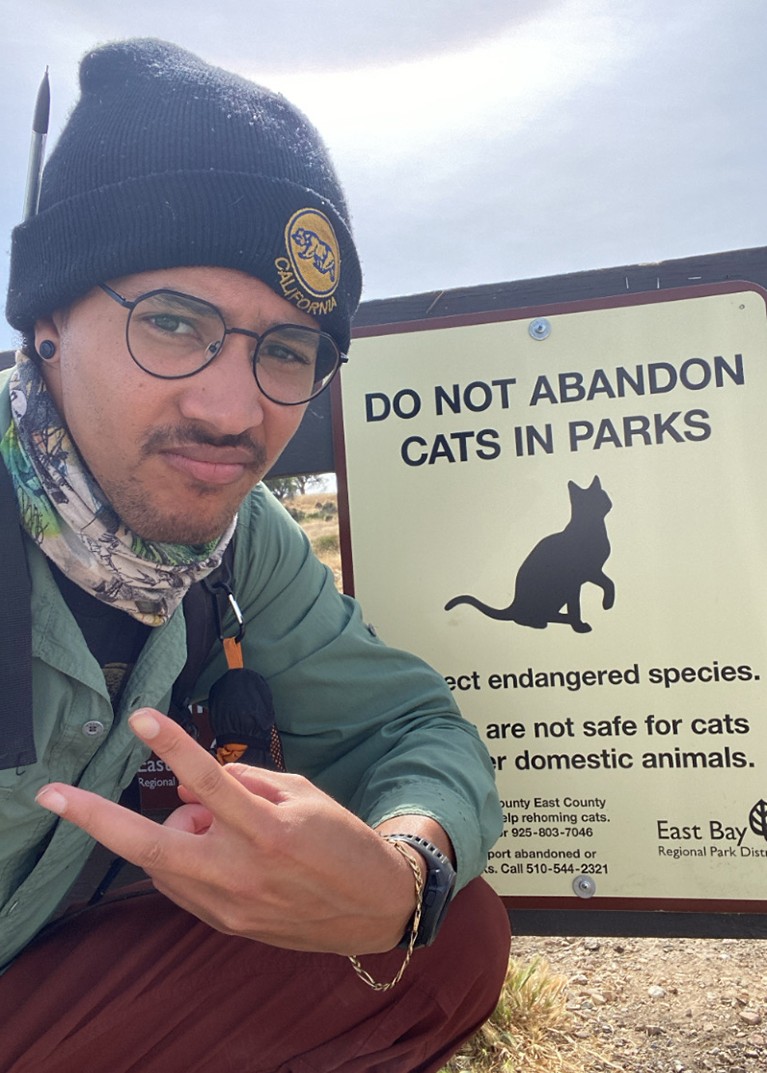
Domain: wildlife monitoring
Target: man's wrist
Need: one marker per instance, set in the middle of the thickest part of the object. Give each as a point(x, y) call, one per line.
point(437, 891)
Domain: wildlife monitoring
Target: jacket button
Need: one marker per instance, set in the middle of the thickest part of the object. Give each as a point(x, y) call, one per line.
point(93, 728)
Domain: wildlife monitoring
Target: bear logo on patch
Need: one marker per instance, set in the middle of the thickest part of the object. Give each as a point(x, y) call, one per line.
point(313, 250)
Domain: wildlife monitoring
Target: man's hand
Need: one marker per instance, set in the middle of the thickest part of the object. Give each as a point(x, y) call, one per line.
point(256, 853)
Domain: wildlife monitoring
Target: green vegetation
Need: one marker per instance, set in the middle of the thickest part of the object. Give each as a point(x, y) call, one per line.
point(328, 542)
point(289, 487)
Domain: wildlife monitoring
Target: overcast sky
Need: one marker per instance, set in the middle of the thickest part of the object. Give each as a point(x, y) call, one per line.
point(478, 140)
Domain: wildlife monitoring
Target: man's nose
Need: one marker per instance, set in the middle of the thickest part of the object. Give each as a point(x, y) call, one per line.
point(225, 394)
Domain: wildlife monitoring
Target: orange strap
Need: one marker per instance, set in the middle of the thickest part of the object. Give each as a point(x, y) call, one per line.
point(233, 653)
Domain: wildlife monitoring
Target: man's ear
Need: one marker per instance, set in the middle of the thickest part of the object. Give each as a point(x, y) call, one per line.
point(47, 337)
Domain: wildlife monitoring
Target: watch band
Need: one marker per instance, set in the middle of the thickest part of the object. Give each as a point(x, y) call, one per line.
point(437, 890)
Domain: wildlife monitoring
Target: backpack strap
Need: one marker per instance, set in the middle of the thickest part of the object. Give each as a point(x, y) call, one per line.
point(17, 740)
point(204, 606)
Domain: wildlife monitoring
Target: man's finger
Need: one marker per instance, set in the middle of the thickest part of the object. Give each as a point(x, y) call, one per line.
point(140, 840)
point(137, 839)
point(204, 779)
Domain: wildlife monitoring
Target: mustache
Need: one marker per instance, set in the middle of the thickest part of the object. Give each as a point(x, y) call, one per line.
point(177, 436)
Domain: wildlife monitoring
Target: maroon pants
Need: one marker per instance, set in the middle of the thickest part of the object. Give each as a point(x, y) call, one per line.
point(136, 985)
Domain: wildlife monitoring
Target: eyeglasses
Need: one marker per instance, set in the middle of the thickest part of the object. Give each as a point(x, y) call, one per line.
point(172, 336)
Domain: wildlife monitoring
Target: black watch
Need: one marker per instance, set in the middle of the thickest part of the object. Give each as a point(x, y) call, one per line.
point(437, 891)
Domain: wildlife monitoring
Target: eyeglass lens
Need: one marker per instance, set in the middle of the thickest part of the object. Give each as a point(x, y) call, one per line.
point(172, 335)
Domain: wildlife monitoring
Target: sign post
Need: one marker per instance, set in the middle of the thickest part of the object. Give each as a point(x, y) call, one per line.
point(572, 499)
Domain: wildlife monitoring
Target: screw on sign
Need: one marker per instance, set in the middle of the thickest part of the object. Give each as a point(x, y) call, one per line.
point(757, 819)
point(584, 886)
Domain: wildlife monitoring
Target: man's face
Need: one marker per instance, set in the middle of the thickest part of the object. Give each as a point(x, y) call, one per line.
point(175, 458)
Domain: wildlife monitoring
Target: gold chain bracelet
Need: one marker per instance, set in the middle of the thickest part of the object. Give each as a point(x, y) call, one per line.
point(363, 973)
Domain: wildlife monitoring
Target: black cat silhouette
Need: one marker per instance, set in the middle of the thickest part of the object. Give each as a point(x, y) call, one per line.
point(551, 576)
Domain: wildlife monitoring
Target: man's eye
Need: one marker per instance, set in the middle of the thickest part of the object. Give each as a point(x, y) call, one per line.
point(166, 322)
point(284, 355)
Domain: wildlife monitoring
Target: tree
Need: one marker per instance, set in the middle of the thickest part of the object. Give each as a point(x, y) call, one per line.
point(290, 487)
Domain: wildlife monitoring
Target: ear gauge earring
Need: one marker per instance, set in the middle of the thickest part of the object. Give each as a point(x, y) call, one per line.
point(47, 349)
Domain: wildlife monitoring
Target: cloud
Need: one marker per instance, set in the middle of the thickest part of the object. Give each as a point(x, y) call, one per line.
point(477, 143)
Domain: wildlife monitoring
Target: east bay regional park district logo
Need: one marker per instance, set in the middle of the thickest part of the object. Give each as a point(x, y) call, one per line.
point(313, 262)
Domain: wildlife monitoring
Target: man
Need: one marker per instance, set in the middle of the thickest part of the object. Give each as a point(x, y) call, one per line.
point(186, 287)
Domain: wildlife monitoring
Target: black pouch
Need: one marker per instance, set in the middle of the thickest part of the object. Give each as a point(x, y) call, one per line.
point(241, 715)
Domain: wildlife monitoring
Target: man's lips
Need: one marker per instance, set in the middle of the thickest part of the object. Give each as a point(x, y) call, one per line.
point(212, 465)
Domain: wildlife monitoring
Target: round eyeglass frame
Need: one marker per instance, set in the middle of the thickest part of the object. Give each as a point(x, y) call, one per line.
point(131, 303)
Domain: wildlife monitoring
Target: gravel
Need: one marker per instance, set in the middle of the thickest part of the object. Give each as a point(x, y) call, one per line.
point(663, 1005)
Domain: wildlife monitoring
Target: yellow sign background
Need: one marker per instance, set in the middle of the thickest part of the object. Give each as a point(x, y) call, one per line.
point(683, 818)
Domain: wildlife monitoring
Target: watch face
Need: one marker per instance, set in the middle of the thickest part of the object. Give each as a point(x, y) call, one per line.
point(440, 881)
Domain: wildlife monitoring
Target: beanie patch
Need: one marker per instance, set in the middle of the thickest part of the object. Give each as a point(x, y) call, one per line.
point(313, 251)
point(310, 274)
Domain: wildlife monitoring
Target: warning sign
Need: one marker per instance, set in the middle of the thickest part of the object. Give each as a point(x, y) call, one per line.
point(574, 507)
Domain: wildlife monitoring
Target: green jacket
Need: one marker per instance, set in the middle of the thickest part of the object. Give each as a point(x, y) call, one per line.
point(372, 726)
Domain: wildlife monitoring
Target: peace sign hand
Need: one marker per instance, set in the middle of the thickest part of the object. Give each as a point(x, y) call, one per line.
point(256, 853)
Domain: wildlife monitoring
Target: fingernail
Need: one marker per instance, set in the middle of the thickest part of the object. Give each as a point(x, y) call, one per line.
point(144, 724)
point(52, 800)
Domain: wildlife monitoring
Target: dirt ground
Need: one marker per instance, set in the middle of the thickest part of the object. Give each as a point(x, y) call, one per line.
point(663, 1005)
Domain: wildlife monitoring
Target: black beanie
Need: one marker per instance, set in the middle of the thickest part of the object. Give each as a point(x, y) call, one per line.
point(167, 162)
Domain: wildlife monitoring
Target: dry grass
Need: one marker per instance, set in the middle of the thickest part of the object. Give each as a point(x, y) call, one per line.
point(531, 1029)
point(320, 523)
